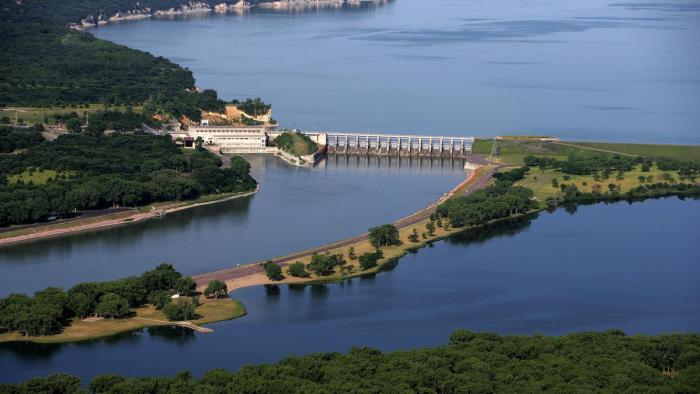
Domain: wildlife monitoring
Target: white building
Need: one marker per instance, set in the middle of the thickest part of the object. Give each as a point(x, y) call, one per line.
point(231, 138)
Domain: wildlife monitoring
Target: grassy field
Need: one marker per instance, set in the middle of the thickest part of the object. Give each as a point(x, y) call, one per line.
point(681, 152)
point(37, 177)
point(31, 115)
point(211, 310)
point(512, 152)
point(540, 181)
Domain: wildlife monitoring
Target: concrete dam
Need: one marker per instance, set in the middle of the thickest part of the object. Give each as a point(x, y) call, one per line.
point(393, 144)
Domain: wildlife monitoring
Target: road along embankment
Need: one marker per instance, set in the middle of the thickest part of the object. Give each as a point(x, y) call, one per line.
point(253, 274)
point(113, 219)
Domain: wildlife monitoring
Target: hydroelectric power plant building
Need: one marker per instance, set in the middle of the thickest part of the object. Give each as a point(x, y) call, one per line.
point(232, 139)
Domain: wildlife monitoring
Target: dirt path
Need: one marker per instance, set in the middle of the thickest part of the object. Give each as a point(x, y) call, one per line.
point(251, 274)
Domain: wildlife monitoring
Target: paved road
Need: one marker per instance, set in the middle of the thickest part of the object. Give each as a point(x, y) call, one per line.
point(251, 269)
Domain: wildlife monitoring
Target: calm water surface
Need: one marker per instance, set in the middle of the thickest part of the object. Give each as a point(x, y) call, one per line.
point(295, 209)
point(593, 70)
point(584, 70)
point(631, 267)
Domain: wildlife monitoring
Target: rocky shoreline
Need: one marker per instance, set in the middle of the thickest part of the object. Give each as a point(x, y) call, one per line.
point(201, 7)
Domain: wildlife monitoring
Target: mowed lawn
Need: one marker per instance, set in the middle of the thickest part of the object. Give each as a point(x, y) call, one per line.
point(540, 181)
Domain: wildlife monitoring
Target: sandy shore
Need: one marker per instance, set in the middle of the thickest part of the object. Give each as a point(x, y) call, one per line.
point(58, 230)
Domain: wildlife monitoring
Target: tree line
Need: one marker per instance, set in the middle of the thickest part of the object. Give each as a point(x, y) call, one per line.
point(118, 170)
point(608, 362)
point(51, 309)
point(496, 201)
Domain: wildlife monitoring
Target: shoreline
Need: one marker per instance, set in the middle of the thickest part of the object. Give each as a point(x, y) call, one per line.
point(195, 8)
point(144, 317)
point(252, 274)
point(47, 231)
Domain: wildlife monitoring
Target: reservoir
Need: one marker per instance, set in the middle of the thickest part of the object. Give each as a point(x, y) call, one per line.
point(630, 267)
point(587, 70)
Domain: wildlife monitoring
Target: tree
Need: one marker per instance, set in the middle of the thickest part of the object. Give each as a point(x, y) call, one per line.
point(180, 310)
point(430, 226)
point(324, 264)
point(112, 305)
point(369, 260)
point(216, 289)
point(73, 124)
point(351, 253)
point(273, 271)
point(414, 236)
point(185, 285)
point(104, 382)
point(384, 235)
point(298, 270)
point(158, 298)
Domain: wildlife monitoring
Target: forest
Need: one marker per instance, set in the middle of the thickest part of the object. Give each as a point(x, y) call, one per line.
point(45, 64)
point(588, 362)
point(95, 171)
point(12, 138)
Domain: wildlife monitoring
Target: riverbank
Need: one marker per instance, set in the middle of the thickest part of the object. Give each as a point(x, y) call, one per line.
point(115, 219)
point(210, 311)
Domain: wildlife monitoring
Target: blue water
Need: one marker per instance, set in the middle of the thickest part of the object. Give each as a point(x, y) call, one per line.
point(586, 70)
point(295, 209)
point(630, 267)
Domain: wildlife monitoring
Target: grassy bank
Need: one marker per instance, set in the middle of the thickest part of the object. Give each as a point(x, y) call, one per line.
point(210, 310)
point(541, 181)
point(296, 144)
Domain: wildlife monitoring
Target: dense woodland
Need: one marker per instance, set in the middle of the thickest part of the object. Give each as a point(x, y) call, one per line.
point(495, 201)
point(95, 171)
point(50, 310)
point(608, 362)
point(45, 64)
point(12, 138)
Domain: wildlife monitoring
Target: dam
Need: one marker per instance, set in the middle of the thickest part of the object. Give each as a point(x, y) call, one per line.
point(393, 144)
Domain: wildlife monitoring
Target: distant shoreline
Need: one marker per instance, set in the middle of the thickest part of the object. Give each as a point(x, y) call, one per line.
point(58, 230)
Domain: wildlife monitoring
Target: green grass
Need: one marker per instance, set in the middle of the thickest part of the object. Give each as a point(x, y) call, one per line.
point(31, 115)
point(297, 144)
point(512, 151)
point(681, 152)
point(37, 177)
point(211, 310)
point(540, 181)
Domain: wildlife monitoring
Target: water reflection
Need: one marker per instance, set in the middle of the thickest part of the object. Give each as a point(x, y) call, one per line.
point(560, 274)
point(295, 209)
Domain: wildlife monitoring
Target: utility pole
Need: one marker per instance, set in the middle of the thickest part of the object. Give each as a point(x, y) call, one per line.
point(495, 151)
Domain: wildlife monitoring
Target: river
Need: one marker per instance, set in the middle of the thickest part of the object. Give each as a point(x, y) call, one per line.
point(630, 267)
